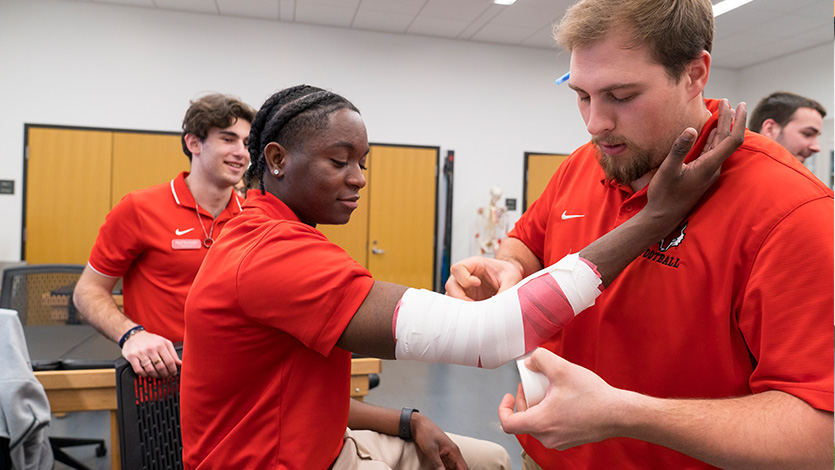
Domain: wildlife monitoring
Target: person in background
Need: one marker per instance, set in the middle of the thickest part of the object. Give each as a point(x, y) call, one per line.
point(714, 347)
point(276, 309)
point(156, 238)
point(791, 120)
point(240, 188)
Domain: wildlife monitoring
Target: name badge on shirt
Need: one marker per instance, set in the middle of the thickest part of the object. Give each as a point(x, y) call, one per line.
point(186, 244)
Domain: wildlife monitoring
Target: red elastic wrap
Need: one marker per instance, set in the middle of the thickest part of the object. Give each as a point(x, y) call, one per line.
point(545, 309)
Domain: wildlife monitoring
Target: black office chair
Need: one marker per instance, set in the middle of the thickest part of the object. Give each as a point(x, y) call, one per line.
point(148, 415)
point(42, 295)
point(5, 455)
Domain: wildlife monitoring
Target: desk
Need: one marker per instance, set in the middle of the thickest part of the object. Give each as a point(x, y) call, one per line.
point(84, 390)
point(361, 367)
point(95, 389)
point(69, 347)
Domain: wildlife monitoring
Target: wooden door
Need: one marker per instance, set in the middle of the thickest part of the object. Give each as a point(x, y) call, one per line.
point(402, 207)
point(539, 168)
point(75, 176)
point(141, 160)
point(67, 193)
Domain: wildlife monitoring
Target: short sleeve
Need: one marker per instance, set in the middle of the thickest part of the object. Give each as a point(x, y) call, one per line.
point(119, 241)
point(787, 308)
point(297, 281)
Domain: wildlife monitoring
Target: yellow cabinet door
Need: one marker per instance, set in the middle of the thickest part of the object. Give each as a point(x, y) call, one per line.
point(401, 223)
point(75, 176)
point(67, 193)
point(539, 168)
point(141, 160)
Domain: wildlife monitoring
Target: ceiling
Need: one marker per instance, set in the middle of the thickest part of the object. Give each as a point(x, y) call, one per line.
point(757, 32)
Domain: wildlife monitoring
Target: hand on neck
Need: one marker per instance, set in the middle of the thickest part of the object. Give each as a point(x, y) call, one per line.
point(698, 117)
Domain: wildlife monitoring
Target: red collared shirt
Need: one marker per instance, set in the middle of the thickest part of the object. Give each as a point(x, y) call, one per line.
point(264, 385)
point(737, 300)
point(152, 238)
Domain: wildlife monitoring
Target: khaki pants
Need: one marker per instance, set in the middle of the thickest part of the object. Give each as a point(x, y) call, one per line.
point(528, 463)
point(369, 450)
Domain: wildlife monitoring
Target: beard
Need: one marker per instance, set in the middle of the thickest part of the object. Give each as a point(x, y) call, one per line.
point(632, 164)
point(801, 153)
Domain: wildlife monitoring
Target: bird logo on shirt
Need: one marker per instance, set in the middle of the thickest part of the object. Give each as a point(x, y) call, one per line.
point(676, 241)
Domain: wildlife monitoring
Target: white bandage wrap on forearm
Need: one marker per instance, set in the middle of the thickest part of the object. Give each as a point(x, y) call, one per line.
point(431, 327)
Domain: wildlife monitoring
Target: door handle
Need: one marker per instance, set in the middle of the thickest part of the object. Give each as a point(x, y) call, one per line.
point(377, 251)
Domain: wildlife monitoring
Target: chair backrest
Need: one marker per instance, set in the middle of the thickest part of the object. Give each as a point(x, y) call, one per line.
point(41, 293)
point(5, 454)
point(148, 415)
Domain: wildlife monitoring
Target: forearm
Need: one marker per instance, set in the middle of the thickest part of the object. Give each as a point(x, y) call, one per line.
point(767, 430)
point(373, 418)
point(92, 297)
point(488, 333)
point(612, 252)
point(518, 254)
point(434, 328)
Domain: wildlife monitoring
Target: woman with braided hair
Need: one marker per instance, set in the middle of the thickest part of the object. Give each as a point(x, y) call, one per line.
point(318, 178)
point(276, 308)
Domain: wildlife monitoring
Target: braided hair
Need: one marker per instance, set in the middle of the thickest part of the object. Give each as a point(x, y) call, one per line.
point(289, 117)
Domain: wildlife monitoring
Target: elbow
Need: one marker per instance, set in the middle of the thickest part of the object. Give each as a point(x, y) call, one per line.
point(77, 297)
point(81, 296)
point(494, 363)
point(78, 302)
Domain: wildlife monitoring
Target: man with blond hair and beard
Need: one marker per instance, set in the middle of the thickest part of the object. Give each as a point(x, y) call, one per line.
point(714, 348)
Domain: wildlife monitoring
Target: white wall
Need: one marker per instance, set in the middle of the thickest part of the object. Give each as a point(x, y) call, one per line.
point(93, 65)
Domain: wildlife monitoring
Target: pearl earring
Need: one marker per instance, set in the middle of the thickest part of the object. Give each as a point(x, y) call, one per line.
point(276, 172)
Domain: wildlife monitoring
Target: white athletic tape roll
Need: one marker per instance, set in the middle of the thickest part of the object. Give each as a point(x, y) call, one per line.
point(431, 327)
point(535, 384)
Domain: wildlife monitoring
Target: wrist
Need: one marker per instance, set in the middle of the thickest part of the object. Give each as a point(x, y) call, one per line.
point(656, 223)
point(407, 428)
point(129, 334)
point(516, 265)
point(630, 413)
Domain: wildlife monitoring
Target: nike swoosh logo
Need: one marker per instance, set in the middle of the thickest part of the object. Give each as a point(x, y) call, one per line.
point(565, 216)
point(182, 232)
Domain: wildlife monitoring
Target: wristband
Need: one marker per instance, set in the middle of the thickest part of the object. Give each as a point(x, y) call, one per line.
point(405, 430)
point(136, 329)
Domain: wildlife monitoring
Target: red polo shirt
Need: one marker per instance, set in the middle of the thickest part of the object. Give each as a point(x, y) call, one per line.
point(263, 383)
point(152, 238)
point(737, 300)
